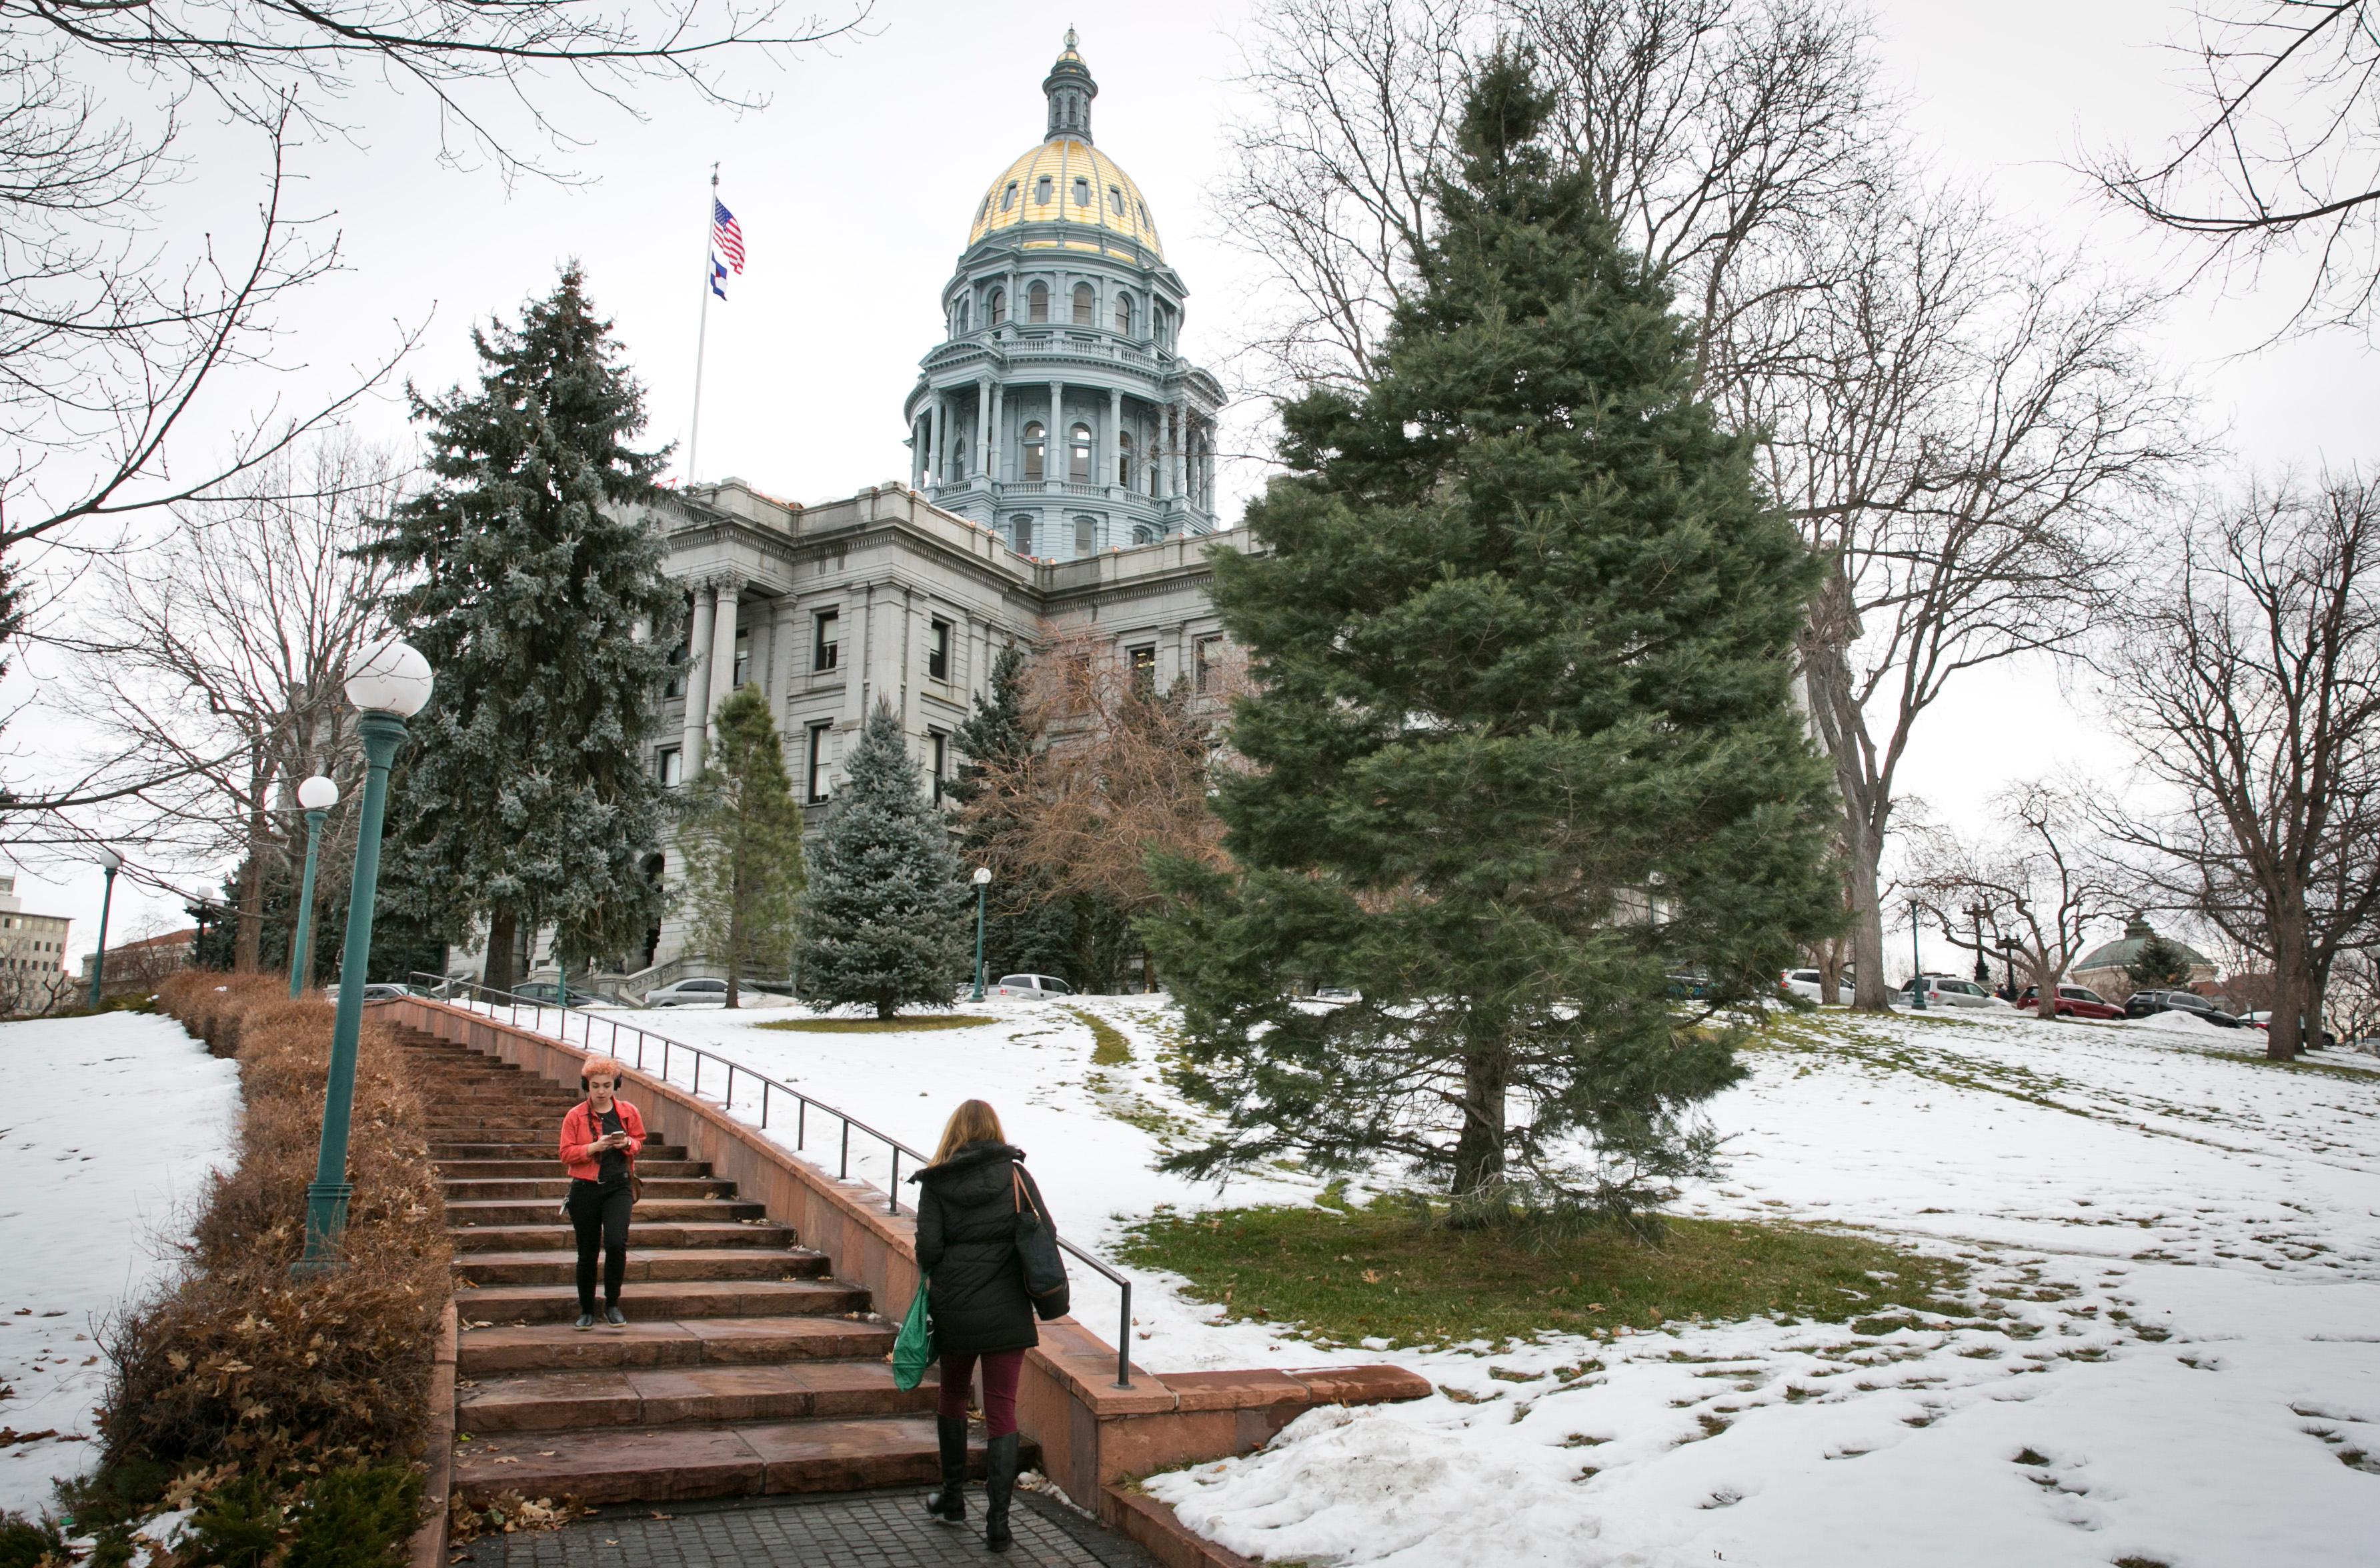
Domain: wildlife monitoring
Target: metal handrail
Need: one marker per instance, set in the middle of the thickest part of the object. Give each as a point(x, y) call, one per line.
point(442, 988)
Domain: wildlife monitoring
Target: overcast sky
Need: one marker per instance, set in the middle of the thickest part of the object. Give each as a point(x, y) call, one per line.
point(855, 188)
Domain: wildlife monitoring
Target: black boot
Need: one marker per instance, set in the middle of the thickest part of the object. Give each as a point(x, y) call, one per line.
point(948, 1506)
point(999, 1480)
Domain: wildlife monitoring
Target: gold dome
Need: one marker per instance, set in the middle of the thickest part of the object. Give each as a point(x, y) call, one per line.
point(1067, 180)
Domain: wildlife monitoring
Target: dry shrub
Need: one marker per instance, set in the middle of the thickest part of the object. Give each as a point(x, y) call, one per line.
point(240, 1360)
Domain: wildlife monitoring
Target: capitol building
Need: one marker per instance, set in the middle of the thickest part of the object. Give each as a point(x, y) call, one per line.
point(1061, 473)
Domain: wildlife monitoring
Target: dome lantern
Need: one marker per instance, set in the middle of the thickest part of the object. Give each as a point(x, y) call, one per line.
point(1070, 89)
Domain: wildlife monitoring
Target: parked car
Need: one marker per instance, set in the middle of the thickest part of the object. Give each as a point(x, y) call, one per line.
point(547, 993)
point(1811, 984)
point(1689, 984)
point(1941, 991)
point(687, 994)
point(378, 991)
point(2073, 1001)
point(2146, 1004)
point(1337, 996)
point(1032, 987)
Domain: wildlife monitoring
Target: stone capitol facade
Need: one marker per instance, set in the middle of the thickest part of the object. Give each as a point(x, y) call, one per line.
point(1060, 479)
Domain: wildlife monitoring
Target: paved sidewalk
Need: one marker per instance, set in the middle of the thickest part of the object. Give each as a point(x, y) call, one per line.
point(878, 1529)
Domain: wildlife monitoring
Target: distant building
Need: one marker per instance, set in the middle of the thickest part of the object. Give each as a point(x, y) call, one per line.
point(32, 955)
point(138, 965)
point(2106, 967)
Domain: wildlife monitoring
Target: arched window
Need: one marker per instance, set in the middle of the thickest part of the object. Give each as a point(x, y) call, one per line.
point(1123, 314)
point(1020, 532)
point(1144, 216)
point(1033, 450)
point(999, 312)
point(985, 210)
point(959, 317)
point(1042, 191)
point(1008, 197)
point(1082, 191)
point(1037, 302)
point(1123, 458)
point(1084, 304)
point(1078, 462)
point(1085, 534)
point(1144, 533)
point(1115, 201)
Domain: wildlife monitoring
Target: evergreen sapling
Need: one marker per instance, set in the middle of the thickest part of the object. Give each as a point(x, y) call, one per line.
point(742, 843)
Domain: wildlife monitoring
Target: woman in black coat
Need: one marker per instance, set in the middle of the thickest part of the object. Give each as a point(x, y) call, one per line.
point(967, 1252)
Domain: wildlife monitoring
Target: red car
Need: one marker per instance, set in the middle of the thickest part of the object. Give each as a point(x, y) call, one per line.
point(2075, 1001)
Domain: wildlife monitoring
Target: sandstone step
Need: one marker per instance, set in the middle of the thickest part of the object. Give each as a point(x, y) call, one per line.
point(544, 1151)
point(659, 1300)
point(664, 1264)
point(549, 1166)
point(658, 1396)
point(654, 1236)
point(554, 1188)
point(694, 1342)
point(473, 1215)
point(666, 1463)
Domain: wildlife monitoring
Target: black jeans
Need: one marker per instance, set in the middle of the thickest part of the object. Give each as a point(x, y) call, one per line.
point(601, 1215)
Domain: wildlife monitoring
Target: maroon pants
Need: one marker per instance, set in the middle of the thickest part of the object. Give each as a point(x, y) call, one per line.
point(1001, 1370)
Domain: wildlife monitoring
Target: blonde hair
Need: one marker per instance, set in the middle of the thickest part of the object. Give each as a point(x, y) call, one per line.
point(974, 1122)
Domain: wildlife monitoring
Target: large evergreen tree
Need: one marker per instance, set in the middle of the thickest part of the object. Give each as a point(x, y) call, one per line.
point(537, 594)
point(881, 919)
point(1523, 740)
point(742, 840)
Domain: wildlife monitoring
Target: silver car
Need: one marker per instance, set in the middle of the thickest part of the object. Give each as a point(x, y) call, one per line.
point(1033, 987)
point(689, 992)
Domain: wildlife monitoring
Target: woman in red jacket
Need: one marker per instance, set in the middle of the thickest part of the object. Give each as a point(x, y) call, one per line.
point(600, 1139)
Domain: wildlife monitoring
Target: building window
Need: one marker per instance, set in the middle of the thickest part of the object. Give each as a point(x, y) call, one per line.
point(1033, 450)
point(1209, 654)
point(817, 755)
point(1123, 314)
point(1008, 197)
point(1144, 533)
point(959, 317)
point(1085, 534)
point(1078, 463)
point(1144, 216)
point(1144, 667)
point(1020, 530)
point(985, 210)
point(1042, 191)
point(1084, 303)
point(826, 641)
point(1115, 201)
point(1082, 191)
point(998, 306)
point(1123, 458)
point(677, 687)
point(938, 651)
point(743, 661)
point(669, 767)
point(1037, 303)
point(938, 747)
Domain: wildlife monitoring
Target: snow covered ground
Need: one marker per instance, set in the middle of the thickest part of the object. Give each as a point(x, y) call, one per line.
point(2175, 1357)
point(108, 1128)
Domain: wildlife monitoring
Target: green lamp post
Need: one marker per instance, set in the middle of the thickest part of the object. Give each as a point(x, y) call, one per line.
point(983, 881)
point(317, 795)
point(110, 863)
point(390, 685)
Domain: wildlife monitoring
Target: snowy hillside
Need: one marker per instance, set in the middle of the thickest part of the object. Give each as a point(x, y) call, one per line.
point(2174, 1356)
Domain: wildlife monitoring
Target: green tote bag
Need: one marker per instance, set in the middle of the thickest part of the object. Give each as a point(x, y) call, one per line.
point(913, 1350)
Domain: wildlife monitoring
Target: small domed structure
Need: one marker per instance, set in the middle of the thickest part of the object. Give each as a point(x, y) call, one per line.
point(1058, 410)
point(2105, 968)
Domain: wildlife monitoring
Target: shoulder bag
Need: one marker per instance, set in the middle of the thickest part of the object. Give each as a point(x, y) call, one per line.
point(1037, 1249)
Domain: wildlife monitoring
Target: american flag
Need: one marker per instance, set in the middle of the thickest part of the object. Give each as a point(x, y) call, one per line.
point(727, 235)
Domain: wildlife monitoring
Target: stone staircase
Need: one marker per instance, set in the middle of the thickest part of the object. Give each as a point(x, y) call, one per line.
point(746, 1366)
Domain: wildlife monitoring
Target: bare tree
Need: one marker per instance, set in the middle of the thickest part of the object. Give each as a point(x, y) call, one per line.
point(2040, 881)
point(1713, 130)
point(219, 657)
point(1961, 418)
point(2250, 680)
point(2283, 157)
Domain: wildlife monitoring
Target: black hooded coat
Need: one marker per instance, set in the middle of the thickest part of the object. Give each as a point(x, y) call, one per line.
point(967, 1248)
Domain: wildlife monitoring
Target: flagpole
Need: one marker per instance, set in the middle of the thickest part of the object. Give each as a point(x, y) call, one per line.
point(702, 330)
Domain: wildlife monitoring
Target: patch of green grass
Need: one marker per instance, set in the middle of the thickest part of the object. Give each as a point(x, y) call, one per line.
point(1108, 1047)
point(878, 1026)
point(1344, 1275)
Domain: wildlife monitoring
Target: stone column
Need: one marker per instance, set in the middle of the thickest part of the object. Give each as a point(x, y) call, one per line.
point(1057, 456)
point(980, 450)
point(1111, 447)
point(917, 452)
point(995, 463)
point(941, 461)
point(698, 682)
point(722, 644)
